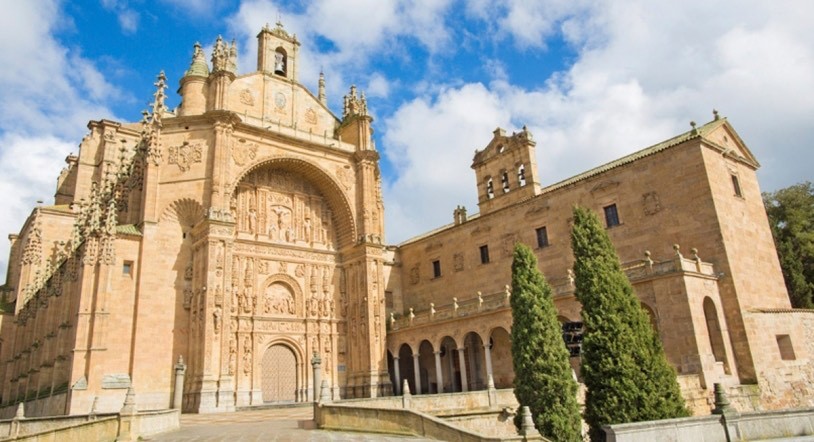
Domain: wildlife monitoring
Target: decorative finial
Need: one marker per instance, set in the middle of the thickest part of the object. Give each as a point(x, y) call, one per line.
point(715, 115)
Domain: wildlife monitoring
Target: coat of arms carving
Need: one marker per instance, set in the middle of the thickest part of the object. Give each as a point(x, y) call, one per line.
point(185, 155)
point(243, 153)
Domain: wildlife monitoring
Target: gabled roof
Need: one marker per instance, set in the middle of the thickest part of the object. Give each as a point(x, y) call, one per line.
point(704, 132)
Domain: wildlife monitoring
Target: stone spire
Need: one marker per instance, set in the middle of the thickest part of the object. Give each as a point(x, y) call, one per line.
point(198, 66)
point(231, 65)
point(321, 95)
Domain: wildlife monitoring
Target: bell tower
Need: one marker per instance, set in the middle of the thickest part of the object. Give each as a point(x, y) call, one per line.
point(277, 52)
point(506, 170)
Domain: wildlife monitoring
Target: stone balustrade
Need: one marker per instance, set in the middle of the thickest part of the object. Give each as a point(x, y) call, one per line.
point(488, 303)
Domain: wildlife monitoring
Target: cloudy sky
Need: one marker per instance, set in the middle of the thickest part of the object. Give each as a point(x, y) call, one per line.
point(593, 80)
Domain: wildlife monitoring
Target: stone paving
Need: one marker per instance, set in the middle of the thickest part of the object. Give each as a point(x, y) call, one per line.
point(274, 424)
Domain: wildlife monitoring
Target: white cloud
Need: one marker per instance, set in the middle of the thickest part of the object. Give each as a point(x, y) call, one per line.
point(49, 95)
point(128, 18)
point(642, 72)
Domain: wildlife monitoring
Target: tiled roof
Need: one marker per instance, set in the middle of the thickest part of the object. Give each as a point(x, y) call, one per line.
point(128, 229)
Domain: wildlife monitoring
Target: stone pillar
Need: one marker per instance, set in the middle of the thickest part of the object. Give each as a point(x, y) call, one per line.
point(398, 375)
point(462, 363)
point(417, 371)
point(439, 376)
point(178, 394)
point(487, 351)
point(316, 362)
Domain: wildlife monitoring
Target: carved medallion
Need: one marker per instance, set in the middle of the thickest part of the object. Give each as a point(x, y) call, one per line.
point(246, 97)
point(279, 100)
point(185, 155)
point(310, 116)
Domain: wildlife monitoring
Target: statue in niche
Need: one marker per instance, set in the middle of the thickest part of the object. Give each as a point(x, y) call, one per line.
point(248, 275)
point(252, 221)
point(219, 254)
point(307, 226)
point(232, 356)
point(244, 302)
point(216, 317)
point(247, 356)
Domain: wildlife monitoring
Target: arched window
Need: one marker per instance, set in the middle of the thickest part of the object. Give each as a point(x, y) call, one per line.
point(490, 188)
point(280, 62)
point(504, 179)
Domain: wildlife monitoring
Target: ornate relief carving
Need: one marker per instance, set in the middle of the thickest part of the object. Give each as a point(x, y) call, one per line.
point(185, 155)
point(344, 174)
point(243, 152)
point(310, 116)
point(415, 275)
point(283, 207)
point(508, 244)
point(279, 300)
point(651, 203)
point(458, 262)
point(246, 97)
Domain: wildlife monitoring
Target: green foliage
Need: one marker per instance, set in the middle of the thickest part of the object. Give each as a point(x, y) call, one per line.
point(791, 218)
point(627, 376)
point(543, 380)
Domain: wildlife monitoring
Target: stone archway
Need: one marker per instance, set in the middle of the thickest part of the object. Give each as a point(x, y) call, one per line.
point(279, 374)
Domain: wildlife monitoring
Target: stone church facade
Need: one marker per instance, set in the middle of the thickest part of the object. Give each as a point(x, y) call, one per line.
point(238, 238)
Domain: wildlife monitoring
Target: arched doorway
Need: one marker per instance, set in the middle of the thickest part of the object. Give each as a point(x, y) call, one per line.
point(279, 378)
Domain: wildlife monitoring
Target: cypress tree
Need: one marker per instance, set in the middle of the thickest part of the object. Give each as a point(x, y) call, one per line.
point(543, 380)
point(627, 376)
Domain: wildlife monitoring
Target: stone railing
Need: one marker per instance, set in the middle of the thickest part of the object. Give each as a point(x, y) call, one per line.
point(107, 426)
point(458, 309)
point(747, 426)
point(561, 287)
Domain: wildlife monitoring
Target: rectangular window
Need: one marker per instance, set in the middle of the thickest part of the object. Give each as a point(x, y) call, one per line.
point(786, 349)
point(611, 216)
point(484, 254)
point(436, 268)
point(736, 185)
point(542, 237)
point(127, 268)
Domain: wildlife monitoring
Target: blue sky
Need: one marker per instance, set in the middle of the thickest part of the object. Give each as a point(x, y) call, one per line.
point(593, 80)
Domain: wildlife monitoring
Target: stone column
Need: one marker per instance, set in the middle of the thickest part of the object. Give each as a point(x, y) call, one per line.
point(417, 371)
point(398, 376)
point(487, 350)
point(178, 394)
point(316, 361)
point(439, 376)
point(462, 363)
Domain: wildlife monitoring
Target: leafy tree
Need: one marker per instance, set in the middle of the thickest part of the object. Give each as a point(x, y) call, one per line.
point(627, 376)
point(791, 218)
point(543, 379)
